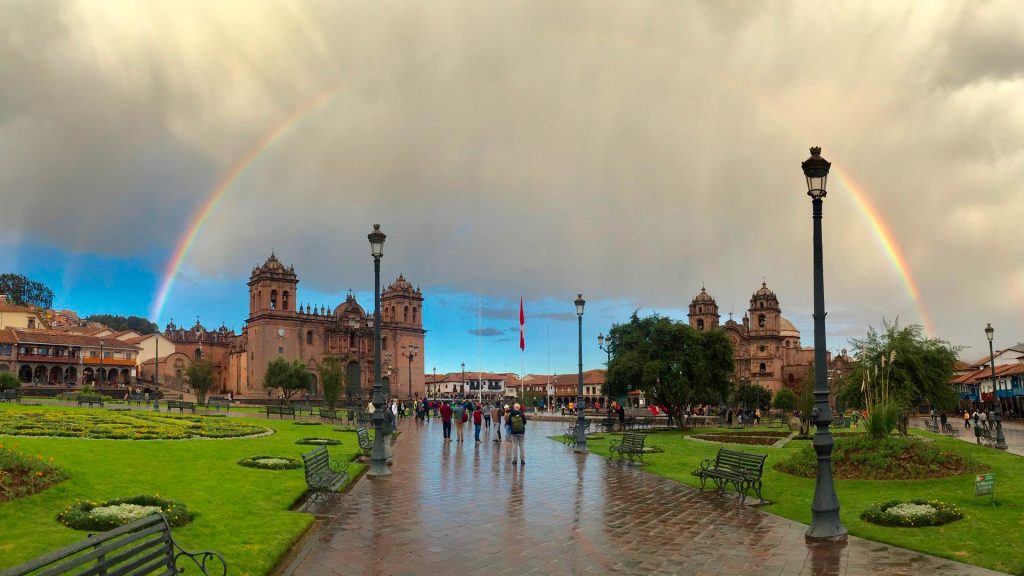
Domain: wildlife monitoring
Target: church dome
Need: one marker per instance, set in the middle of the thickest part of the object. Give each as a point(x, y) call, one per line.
point(401, 285)
point(349, 307)
point(786, 328)
point(704, 298)
point(764, 292)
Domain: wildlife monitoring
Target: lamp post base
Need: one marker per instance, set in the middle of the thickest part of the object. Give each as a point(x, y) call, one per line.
point(379, 458)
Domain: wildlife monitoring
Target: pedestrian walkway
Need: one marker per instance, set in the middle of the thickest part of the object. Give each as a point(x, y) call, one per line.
point(462, 508)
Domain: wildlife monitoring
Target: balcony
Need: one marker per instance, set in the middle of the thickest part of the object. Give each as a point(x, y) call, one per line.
point(108, 361)
point(48, 359)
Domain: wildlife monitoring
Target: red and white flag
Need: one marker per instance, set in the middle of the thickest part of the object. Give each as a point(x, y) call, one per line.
point(522, 326)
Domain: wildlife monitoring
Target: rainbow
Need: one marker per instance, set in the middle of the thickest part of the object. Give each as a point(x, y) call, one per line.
point(203, 213)
point(884, 236)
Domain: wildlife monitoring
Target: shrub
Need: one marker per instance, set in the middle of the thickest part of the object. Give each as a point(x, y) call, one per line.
point(891, 458)
point(22, 474)
point(270, 462)
point(86, 515)
point(911, 513)
point(9, 381)
point(882, 419)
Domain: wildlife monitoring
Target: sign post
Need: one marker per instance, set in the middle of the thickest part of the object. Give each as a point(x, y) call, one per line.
point(984, 484)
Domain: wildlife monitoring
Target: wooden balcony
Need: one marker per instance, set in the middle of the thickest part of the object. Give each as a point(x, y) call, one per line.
point(48, 359)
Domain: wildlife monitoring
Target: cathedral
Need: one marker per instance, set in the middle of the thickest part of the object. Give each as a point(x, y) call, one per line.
point(277, 327)
point(766, 346)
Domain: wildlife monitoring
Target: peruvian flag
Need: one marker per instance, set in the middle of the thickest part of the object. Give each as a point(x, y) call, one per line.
point(522, 326)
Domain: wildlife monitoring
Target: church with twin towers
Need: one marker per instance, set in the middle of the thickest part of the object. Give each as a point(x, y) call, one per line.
point(280, 325)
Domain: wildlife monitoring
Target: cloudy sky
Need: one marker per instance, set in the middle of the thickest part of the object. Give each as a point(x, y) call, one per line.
point(631, 151)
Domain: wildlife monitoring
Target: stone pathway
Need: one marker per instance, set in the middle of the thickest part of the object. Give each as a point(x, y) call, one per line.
point(464, 509)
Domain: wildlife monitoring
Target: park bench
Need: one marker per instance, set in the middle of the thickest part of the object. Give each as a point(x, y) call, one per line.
point(218, 402)
point(742, 469)
point(322, 475)
point(927, 422)
point(181, 405)
point(138, 399)
point(301, 407)
point(281, 411)
point(89, 399)
point(630, 446)
point(365, 444)
point(840, 422)
point(11, 395)
point(608, 423)
point(326, 414)
point(984, 436)
point(953, 431)
point(140, 548)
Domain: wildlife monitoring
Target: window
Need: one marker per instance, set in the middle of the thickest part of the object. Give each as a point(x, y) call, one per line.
point(700, 309)
point(760, 304)
point(280, 349)
point(309, 337)
point(763, 367)
point(31, 322)
point(760, 320)
point(352, 340)
point(791, 378)
point(760, 349)
point(414, 310)
point(700, 324)
point(284, 300)
point(405, 314)
point(273, 299)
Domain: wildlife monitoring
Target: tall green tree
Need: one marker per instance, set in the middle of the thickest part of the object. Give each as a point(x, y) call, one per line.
point(9, 381)
point(751, 395)
point(118, 323)
point(200, 378)
point(785, 400)
point(290, 377)
point(671, 362)
point(21, 290)
point(331, 376)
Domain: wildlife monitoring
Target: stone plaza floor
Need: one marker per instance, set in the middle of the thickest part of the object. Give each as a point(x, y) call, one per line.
point(462, 508)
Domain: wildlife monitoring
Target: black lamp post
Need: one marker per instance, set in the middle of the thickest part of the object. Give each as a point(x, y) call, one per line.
point(825, 521)
point(378, 457)
point(608, 350)
point(463, 389)
point(998, 408)
point(410, 352)
point(581, 421)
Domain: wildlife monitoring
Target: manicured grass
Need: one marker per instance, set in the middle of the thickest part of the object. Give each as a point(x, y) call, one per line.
point(988, 535)
point(240, 512)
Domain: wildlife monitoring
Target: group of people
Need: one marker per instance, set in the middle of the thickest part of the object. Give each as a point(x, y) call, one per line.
point(460, 412)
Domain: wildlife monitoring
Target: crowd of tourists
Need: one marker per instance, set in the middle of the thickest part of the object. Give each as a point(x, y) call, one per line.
point(506, 421)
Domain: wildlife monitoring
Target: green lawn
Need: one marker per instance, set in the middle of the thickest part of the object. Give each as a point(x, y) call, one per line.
point(988, 535)
point(240, 512)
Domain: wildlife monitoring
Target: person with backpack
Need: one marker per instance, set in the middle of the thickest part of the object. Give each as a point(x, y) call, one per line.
point(496, 416)
point(508, 424)
point(478, 420)
point(459, 414)
point(517, 426)
point(487, 416)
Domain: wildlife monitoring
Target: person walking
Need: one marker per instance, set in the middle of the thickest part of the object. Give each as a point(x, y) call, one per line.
point(446, 421)
point(508, 424)
point(459, 414)
point(517, 426)
point(478, 421)
point(487, 416)
point(967, 419)
point(496, 416)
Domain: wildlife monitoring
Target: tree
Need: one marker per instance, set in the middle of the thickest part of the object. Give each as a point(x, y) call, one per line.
point(785, 399)
point(9, 381)
point(671, 362)
point(119, 323)
point(752, 395)
point(331, 376)
point(200, 378)
point(290, 377)
point(25, 292)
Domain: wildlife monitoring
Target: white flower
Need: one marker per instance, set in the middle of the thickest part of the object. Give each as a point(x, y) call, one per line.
point(911, 511)
point(272, 461)
point(123, 513)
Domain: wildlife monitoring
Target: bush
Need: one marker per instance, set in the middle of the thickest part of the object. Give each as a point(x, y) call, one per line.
point(785, 399)
point(891, 458)
point(270, 462)
point(882, 419)
point(85, 515)
point(9, 381)
point(22, 475)
point(911, 513)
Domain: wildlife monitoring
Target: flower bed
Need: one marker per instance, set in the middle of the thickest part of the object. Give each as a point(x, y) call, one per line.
point(133, 425)
point(305, 423)
point(85, 515)
point(892, 458)
point(319, 441)
point(270, 462)
point(911, 513)
point(739, 438)
point(23, 475)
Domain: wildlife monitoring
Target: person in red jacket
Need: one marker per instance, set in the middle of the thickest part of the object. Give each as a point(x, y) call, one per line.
point(446, 420)
point(478, 420)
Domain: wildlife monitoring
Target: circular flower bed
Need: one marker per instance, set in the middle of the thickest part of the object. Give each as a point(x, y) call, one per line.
point(304, 423)
point(270, 462)
point(319, 441)
point(892, 458)
point(911, 513)
point(85, 515)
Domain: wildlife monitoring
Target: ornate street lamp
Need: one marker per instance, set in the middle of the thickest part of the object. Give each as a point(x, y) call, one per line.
point(581, 421)
point(378, 457)
point(825, 521)
point(410, 352)
point(608, 350)
point(463, 389)
point(998, 412)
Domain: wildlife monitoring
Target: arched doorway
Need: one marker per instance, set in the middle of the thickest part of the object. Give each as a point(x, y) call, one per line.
point(56, 375)
point(25, 374)
point(88, 375)
point(39, 375)
point(126, 376)
point(353, 376)
point(70, 374)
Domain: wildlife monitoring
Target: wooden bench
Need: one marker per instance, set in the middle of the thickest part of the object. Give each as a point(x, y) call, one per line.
point(365, 444)
point(322, 475)
point(927, 423)
point(742, 469)
point(840, 422)
point(984, 436)
point(181, 405)
point(326, 414)
point(140, 548)
point(11, 395)
point(90, 400)
point(281, 411)
point(953, 431)
point(217, 402)
point(301, 407)
point(608, 423)
point(630, 446)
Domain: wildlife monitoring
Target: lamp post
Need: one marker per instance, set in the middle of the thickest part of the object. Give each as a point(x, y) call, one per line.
point(433, 383)
point(825, 521)
point(101, 376)
point(463, 389)
point(378, 457)
point(608, 350)
point(998, 412)
point(410, 352)
point(581, 421)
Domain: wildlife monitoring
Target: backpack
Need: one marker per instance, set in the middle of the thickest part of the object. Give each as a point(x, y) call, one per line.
point(518, 426)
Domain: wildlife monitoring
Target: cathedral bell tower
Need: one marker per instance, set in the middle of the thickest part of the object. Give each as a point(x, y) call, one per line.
point(764, 312)
point(704, 312)
point(272, 289)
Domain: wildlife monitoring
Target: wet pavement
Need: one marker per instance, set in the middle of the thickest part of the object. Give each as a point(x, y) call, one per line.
point(451, 508)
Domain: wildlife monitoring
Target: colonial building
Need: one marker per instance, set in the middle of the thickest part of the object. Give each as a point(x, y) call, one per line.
point(278, 328)
point(51, 357)
point(766, 346)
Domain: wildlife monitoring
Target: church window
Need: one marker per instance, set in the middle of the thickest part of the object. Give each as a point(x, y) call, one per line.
point(700, 309)
point(273, 299)
point(786, 343)
point(284, 300)
point(309, 337)
point(252, 305)
point(198, 354)
point(414, 310)
point(405, 314)
point(763, 367)
point(383, 343)
point(760, 348)
point(791, 378)
point(700, 324)
point(352, 340)
point(760, 320)
point(280, 349)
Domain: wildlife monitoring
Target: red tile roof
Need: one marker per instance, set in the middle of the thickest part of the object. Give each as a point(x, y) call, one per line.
point(55, 337)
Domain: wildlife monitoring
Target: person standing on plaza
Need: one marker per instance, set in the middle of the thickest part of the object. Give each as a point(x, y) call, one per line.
point(517, 426)
point(446, 421)
point(496, 416)
point(967, 419)
point(621, 411)
point(459, 414)
point(508, 424)
point(487, 416)
point(478, 420)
